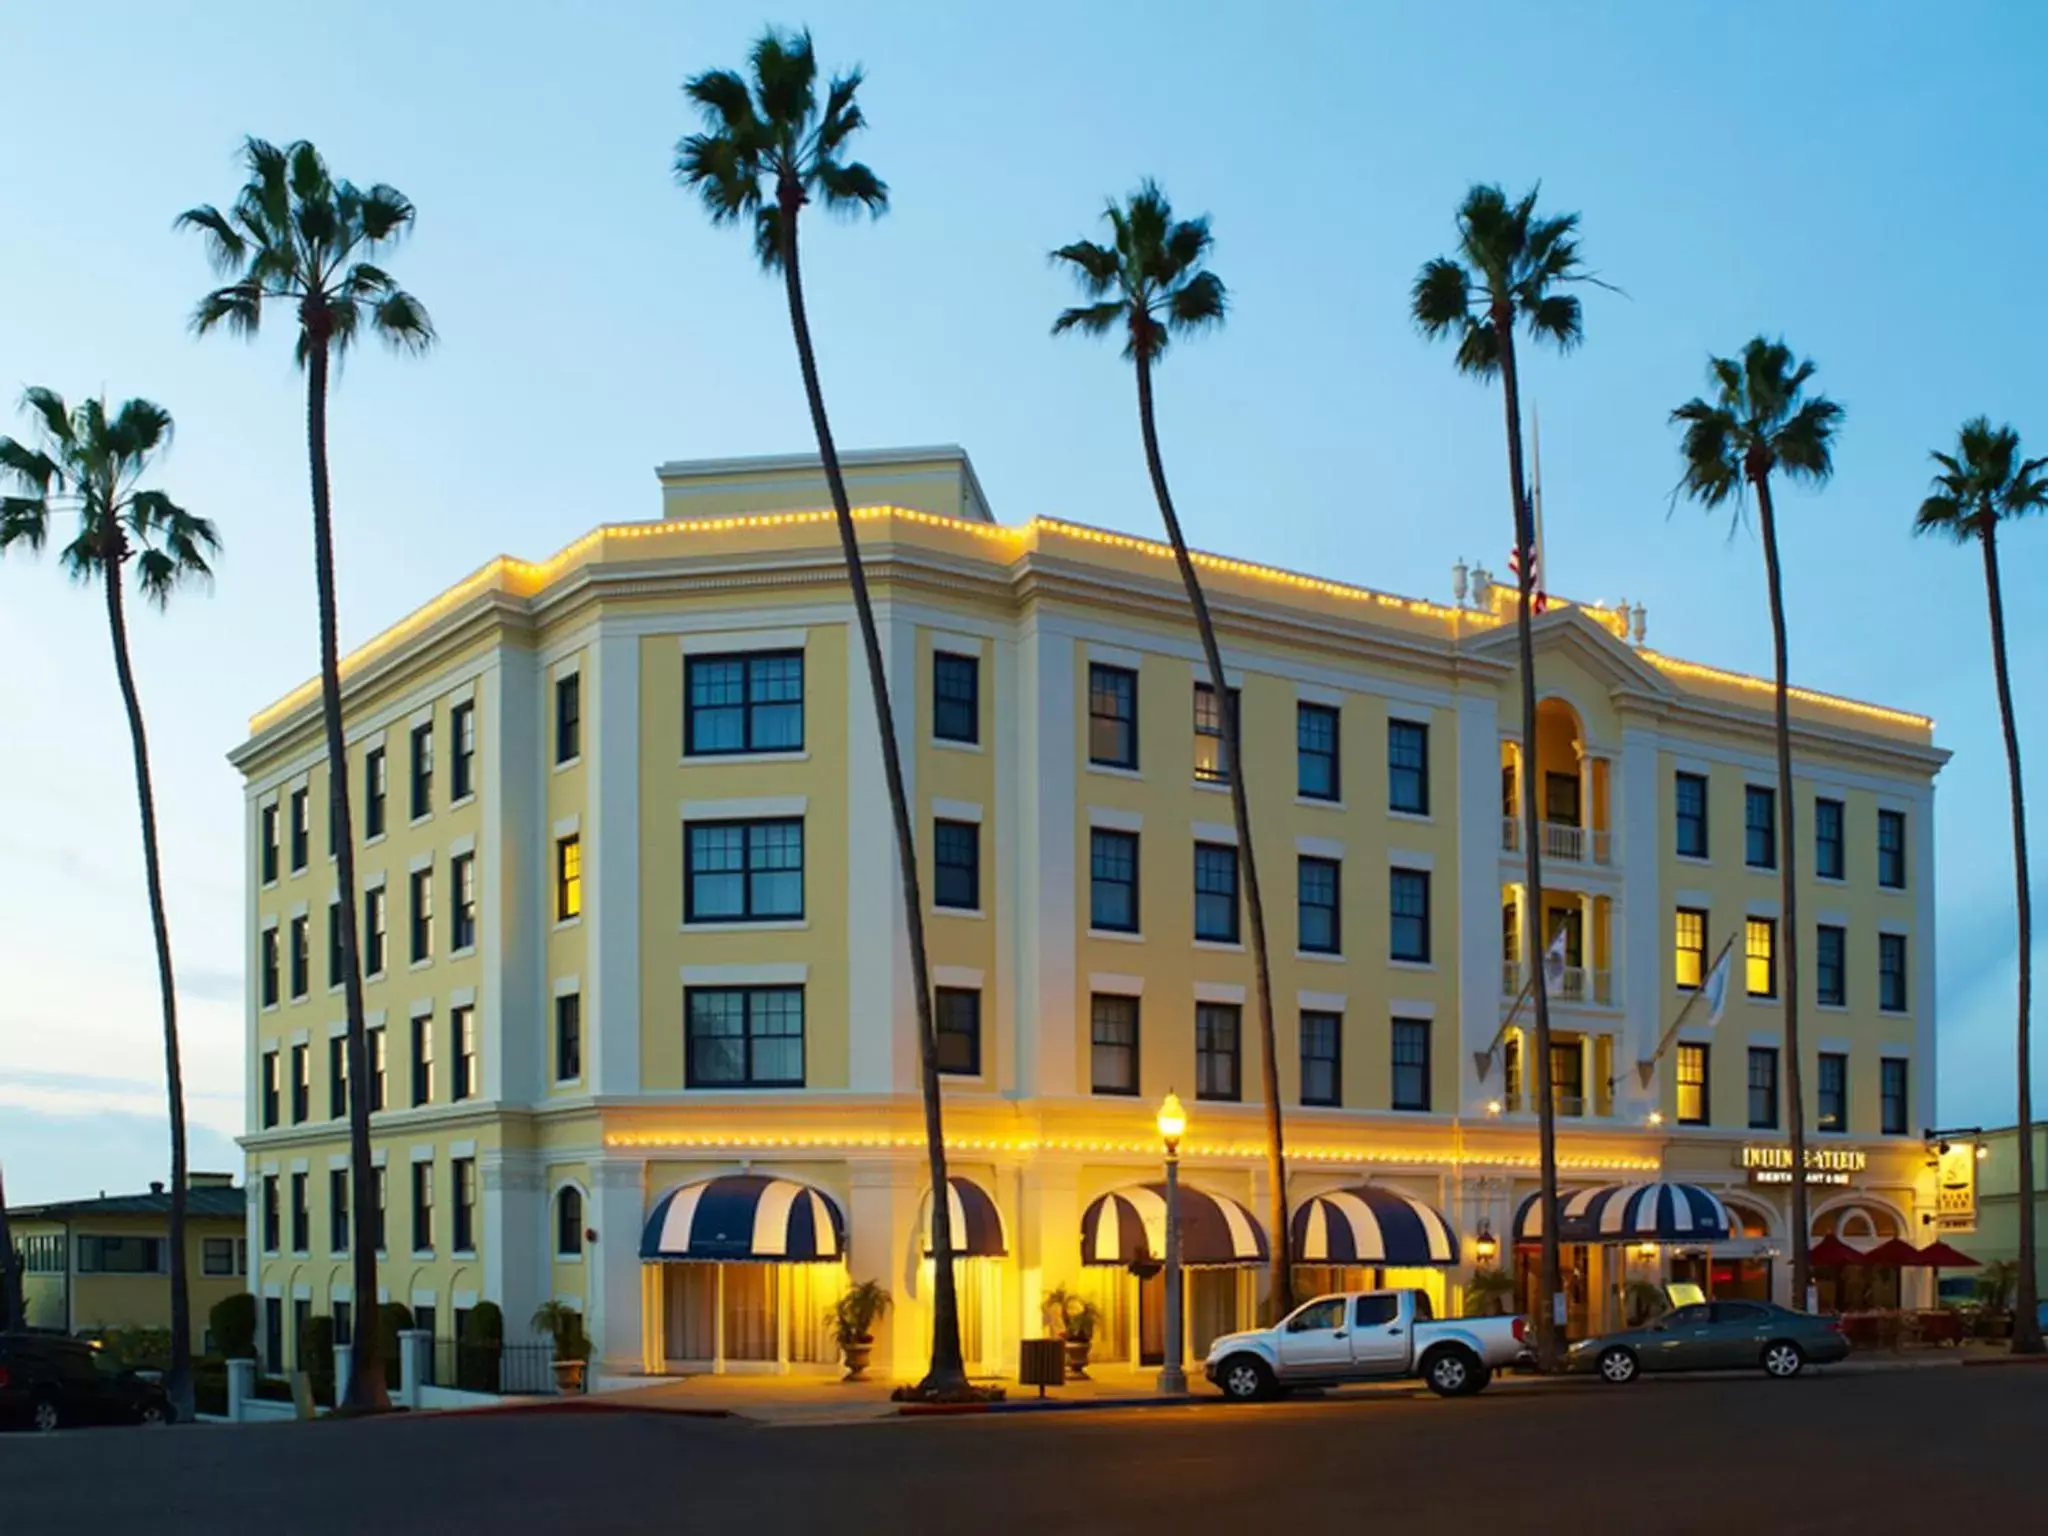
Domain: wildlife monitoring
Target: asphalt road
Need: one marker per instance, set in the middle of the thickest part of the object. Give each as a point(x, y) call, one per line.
point(1935, 1450)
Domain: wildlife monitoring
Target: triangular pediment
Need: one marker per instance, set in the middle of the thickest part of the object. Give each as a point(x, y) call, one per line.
point(1569, 633)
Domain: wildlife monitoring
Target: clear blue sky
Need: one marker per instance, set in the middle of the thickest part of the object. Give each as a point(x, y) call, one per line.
point(1865, 178)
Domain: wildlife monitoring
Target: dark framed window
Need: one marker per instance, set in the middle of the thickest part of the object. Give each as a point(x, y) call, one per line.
point(1408, 909)
point(1316, 766)
point(374, 906)
point(957, 1015)
point(423, 1059)
point(337, 1076)
point(1411, 1064)
point(1216, 893)
point(344, 1323)
point(1891, 972)
point(1830, 965)
point(302, 825)
point(1113, 1043)
point(1760, 956)
point(569, 718)
point(1212, 746)
point(568, 877)
point(1832, 1097)
point(1689, 947)
point(380, 1063)
point(302, 1214)
point(462, 751)
point(1695, 1105)
point(422, 914)
point(956, 864)
point(742, 871)
point(462, 1036)
point(462, 909)
point(1827, 839)
point(217, 1256)
point(1322, 1057)
point(1891, 850)
point(744, 1037)
point(1561, 799)
point(1893, 1107)
point(301, 956)
point(569, 1223)
point(333, 826)
point(375, 788)
point(334, 964)
point(752, 702)
point(1218, 1032)
point(337, 1210)
point(273, 1088)
point(273, 1221)
point(1408, 767)
point(1112, 716)
point(302, 1083)
point(462, 1171)
point(270, 966)
point(956, 697)
point(1763, 1087)
point(1321, 925)
point(1113, 880)
point(1690, 793)
point(423, 1207)
point(121, 1256)
point(273, 1334)
point(568, 1037)
point(1759, 827)
point(1568, 1078)
point(422, 770)
point(267, 840)
point(380, 1187)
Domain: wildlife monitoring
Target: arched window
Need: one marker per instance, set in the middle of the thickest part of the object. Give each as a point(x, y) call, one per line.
point(569, 1224)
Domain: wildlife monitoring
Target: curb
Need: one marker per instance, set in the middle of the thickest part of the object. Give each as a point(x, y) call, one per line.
point(1995, 1361)
point(576, 1405)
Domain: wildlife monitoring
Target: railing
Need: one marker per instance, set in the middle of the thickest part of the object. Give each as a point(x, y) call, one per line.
point(1561, 841)
point(1570, 1106)
point(1510, 834)
point(1579, 984)
point(519, 1369)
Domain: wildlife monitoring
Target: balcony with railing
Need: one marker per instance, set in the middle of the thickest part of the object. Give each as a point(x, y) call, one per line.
point(1578, 984)
point(1573, 785)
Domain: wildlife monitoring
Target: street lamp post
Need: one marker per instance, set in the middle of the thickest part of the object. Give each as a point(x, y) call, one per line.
point(1173, 1124)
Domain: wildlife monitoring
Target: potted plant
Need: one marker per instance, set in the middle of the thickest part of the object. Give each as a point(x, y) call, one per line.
point(1073, 1318)
point(854, 1316)
point(1488, 1292)
point(1642, 1302)
point(564, 1324)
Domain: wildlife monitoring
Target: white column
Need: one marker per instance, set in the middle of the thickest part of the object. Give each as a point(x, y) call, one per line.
point(514, 1220)
point(612, 1304)
point(1638, 920)
point(1011, 734)
point(1920, 956)
point(511, 861)
point(1478, 813)
point(882, 1042)
point(611, 865)
point(1047, 926)
point(884, 1242)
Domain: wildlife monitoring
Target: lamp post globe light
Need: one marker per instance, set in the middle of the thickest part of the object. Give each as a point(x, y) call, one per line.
point(1173, 1124)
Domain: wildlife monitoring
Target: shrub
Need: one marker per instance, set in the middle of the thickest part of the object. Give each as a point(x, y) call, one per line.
point(476, 1357)
point(210, 1384)
point(234, 1326)
point(857, 1311)
point(563, 1324)
point(138, 1349)
point(316, 1355)
point(1488, 1292)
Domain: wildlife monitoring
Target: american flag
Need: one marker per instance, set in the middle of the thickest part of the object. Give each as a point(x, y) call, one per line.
point(1538, 599)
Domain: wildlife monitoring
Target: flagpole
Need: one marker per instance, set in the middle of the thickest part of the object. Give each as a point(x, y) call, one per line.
point(1647, 1069)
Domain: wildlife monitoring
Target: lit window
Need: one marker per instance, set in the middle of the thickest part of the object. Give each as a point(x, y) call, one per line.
point(1761, 951)
point(568, 878)
point(1692, 1085)
point(1212, 748)
point(1691, 947)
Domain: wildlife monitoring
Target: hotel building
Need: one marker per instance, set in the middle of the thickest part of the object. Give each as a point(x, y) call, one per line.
point(639, 988)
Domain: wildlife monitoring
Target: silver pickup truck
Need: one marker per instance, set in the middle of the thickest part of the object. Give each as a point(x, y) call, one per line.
point(1365, 1336)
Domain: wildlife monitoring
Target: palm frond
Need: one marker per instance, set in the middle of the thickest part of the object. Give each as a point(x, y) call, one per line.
point(24, 520)
point(1557, 318)
point(1945, 516)
point(1479, 349)
point(1198, 304)
point(785, 81)
point(1181, 250)
point(1441, 297)
point(1095, 267)
point(385, 215)
point(850, 188)
point(722, 96)
point(768, 236)
point(27, 467)
point(52, 416)
point(225, 247)
point(1710, 452)
point(1090, 319)
point(138, 429)
point(1804, 445)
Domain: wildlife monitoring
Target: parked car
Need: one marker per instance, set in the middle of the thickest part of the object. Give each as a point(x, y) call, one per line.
point(51, 1382)
point(1365, 1336)
point(1715, 1335)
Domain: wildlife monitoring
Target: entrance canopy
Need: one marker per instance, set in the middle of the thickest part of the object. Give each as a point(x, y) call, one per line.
point(744, 1218)
point(1629, 1213)
point(1128, 1226)
point(1371, 1225)
point(977, 1223)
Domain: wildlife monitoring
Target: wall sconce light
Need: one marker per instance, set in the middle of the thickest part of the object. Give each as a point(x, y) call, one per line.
point(1485, 1247)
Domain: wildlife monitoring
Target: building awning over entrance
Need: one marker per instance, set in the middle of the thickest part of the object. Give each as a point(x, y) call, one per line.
point(1628, 1213)
point(977, 1224)
point(1371, 1225)
point(742, 1218)
point(1128, 1226)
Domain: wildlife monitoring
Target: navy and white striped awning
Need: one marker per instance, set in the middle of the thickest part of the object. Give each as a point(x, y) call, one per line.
point(977, 1225)
point(1629, 1213)
point(1128, 1226)
point(742, 1218)
point(1371, 1225)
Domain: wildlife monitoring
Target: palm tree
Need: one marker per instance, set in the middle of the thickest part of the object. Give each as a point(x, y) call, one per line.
point(767, 150)
point(1762, 419)
point(89, 464)
point(1510, 269)
point(1150, 284)
point(10, 1272)
point(1983, 483)
point(297, 236)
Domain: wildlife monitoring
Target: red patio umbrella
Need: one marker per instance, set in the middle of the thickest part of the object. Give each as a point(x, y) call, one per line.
point(1939, 1255)
point(1832, 1250)
point(1893, 1253)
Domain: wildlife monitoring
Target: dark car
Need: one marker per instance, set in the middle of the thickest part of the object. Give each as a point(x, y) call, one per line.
point(51, 1382)
point(1715, 1336)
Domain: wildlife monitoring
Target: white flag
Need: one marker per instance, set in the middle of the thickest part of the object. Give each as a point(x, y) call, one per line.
point(1553, 962)
point(1716, 988)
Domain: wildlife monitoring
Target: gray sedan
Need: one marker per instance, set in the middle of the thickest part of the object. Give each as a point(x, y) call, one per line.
point(1715, 1336)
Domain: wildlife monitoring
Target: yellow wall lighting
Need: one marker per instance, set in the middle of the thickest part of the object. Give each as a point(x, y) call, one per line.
point(1743, 680)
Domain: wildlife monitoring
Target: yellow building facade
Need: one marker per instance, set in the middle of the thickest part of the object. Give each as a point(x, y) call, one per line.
point(625, 838)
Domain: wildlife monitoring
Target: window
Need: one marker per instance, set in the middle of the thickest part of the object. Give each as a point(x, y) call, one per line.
point(462, 1029)
point(334, 963)
point(1891, 972)
point(1827, 839)
point(422, 927)
point(1112, 716)
point(1408, 767)
point(271, 1233)
point(1891, 1096)
point(302, 959)
point(122, 1255)
point(1830, 969)
point(462, 917)
point(271, 1088)
point(569, 718)
point(956, 697)
point(302, 1214)
point(374, 786)
point(1320, 932)
point(1315, 752)
point(423, 1207)
point(273, 1333)
point(1212, 747)
point(463, 1169)
point(1561, 799)
point(568, 878)
point(1694, 1106)
point(333, 826)
point(1891, 849)
point(217, 1256)
point(1759, 827)
point(374, 905)
point(379, 1068)
point(1322, 1047)
point(1409, 909)
point(1113, 880)
point(957, 1014)
point(1834, 1092)
point(745, 703)
point(1568, 1078)
point(422, 770)
point(956, 858)
point(344, 1323)
point(1690, 947)
point(1113, 1043)
point(1760, 948)
point(379, 1187)
point(1411, 1064)
point(302, 826)
point(269, 981)
point(736, 871)
point(268, 838)
point(1217, 1028)
point(337, 1210)
point(1763, 1087)
point(423, 1059)
point(745, 1037)
point(568, 1037)
point(302, 1083)
point(1692, 815)
point(1216, 893)
point(337, 1076)
point(569, 1224)
point(462, 751)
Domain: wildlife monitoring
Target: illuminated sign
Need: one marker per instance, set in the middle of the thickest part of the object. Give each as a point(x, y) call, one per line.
point(1772, 1164)
point(1955, 1194)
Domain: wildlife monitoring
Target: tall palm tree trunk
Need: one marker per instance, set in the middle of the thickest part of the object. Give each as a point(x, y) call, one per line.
point(365, 1390)
point(948, 1371)
point(1788, 898)
point(2026, 1326)
point(1281, 1283)
point(178, 1380)
point(1549, 1266)
point(10, 1274)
